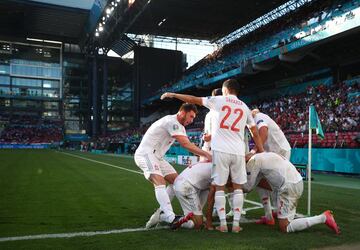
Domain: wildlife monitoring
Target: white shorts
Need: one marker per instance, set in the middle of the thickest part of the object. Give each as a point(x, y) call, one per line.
point(188, 196)
point(287, 200)
point(225, 164)
point(150, 164)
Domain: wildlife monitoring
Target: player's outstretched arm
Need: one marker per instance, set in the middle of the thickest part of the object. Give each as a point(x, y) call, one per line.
point(185, 98)
point(185, 143)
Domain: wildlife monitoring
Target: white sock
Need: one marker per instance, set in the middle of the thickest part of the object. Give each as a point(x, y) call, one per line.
point(238, 202)
point(265, 200)
point(170, 191)
point(163, 199)
point(190, 224)
point(220, 204)
point(303, 223)
point(273, 200)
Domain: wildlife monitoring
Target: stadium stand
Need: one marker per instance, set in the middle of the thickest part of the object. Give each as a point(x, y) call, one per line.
point(339, 103)
point(30, 130)
point(237, 54)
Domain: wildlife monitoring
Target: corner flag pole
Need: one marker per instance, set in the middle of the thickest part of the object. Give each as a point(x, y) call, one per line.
point(309, 165)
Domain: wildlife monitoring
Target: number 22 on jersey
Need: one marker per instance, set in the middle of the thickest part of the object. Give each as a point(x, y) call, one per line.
point(239, 112)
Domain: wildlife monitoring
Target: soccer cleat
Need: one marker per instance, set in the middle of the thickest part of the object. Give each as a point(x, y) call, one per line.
point(236, 229)
point(179, 220)
point(223, 229)
point(266, 221)
point(154, 219)
point(330, 221)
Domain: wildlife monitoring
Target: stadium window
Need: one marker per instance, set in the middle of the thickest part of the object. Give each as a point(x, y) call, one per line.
point(4, 80)
point(50, 84)
point(4, 91)
point(4, 69)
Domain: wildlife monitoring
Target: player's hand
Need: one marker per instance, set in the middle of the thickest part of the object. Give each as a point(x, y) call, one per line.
point(248, 156)
point(208, 156)
point(207, 137)
point(167, 95)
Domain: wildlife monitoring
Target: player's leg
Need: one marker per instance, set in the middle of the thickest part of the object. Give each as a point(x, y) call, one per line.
point(219, 175)
point(287, 210)
point(155, 170)
point(265, 200)
point(188, 197)
point(304, 223)
point(229, 196)
point(170, 175)
point(238, 177)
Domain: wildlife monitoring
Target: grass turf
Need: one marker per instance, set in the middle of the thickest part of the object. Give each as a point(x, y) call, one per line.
point(44, 191)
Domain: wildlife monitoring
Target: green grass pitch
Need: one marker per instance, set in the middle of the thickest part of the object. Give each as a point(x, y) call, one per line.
point(49, 192)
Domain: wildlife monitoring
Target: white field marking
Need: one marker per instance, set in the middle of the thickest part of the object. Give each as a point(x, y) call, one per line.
point(258, 205)
point(94, 233)
point(252, 208)
point(100, 162)
point(77, 234)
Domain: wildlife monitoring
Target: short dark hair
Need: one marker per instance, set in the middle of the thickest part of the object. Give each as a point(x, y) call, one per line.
point(216, 92)
point(232, 85)
point(187, 107)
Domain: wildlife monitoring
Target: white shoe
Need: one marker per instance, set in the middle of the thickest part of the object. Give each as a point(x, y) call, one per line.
point(154, 219)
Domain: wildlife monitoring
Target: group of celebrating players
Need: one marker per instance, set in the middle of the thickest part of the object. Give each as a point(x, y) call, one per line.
point(225, 164)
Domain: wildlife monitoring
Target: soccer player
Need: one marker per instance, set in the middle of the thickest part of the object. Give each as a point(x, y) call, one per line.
point(208, 124)
point(274, 172)
point(155, 143)
point(192, 188)
point(271, 135)
point(227, 145)
point(275, 141)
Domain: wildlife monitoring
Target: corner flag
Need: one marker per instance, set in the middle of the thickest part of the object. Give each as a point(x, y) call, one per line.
point(315, 122)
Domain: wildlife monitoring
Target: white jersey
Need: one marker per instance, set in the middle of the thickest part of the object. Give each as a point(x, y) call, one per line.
point(159, 137)
point(208, 128)
point(198, 175)
point(277, 170)
point(228, 124)
point(276, 141)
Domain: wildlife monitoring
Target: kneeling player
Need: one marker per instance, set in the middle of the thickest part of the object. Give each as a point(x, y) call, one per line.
point(276, 173)
point(192, 188)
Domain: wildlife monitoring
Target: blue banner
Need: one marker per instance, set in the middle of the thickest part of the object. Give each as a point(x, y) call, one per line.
point(326, 159)
point(24, 146)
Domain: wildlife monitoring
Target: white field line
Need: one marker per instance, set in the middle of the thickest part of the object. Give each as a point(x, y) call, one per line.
point(77, 234)
point(104, 163)
point(115, 231)
point(94, 233)
point(137, 172)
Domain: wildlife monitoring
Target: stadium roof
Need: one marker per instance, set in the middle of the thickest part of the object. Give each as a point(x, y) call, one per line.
point(199, 19)
point(62, 20)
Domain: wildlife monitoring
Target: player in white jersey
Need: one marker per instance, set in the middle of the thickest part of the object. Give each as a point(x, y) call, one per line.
point(192, 188)
point(227, 144)
point(274, 172)
point(275, 141)
point(155, 143)
point(272, 136)
point(208, 124)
